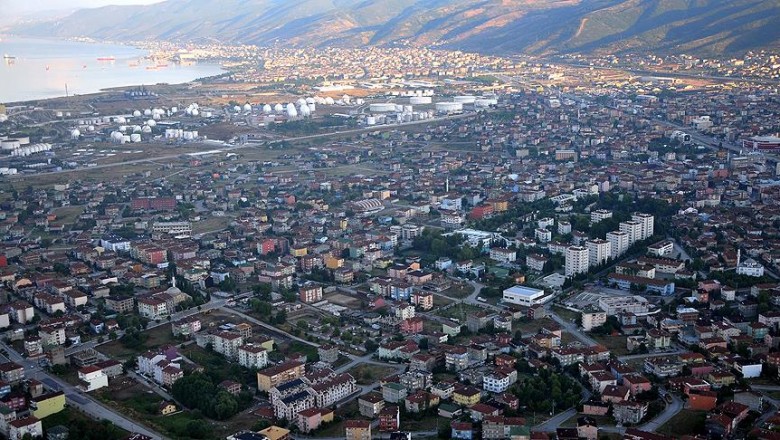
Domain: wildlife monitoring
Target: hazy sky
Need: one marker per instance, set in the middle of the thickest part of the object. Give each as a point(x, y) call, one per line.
point(12, 7)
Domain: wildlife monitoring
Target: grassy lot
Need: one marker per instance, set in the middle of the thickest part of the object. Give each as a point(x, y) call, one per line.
point(686, 422)
point(427, 423)
point(68, 214)
point(157, 337)
point(615, 344)
point(529, 326)
point(565, 313)
point(210, 224)
point(458, 290)
point(367, 374)
point(459, 311)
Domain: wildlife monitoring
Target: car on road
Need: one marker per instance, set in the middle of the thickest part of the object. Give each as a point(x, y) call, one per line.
point(668, 398)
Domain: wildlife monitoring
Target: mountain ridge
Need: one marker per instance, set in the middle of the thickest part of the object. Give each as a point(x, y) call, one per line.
point(539, 27)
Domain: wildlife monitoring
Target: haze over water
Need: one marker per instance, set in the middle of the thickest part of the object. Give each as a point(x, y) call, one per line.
point(43, 67)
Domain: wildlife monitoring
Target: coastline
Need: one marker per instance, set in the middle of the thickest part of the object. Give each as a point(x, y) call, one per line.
point(96, 77)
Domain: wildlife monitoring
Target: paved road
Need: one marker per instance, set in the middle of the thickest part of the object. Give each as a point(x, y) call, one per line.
point(572, 328)
point(77, 399)
point(555, 422)
point(671, 410)
point(650, 355)
point(376, 435)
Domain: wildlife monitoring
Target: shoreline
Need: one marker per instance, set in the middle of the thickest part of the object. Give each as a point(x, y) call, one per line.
point(113, 88)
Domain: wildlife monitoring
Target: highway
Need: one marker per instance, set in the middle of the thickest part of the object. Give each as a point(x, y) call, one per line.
point(76, 398)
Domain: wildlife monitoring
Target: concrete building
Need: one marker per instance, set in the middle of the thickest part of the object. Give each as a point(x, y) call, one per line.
point(598, 251)
point(618, 243)
point(525, 296)
point(647, 222)
point(633, 229)
point(577, 260)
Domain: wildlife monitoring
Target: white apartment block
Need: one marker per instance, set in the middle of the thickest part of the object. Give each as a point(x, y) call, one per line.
point(618, 242)
point(599, 215)
point(174, 228)
point(598, 251)
point(503, 255)
point(577, 260)
point(564, 227)
point(592, 319)
point(330, 392)
point(633, 229)
point(648, 224)
point(543, 235)
point(252, 356)
point(227, 344)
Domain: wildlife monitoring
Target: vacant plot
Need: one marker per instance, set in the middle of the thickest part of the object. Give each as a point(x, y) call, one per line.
point(156, 337)
point(211, 224)
point(458, 290)
point(687, 422)
point(68, 214)
point(366, 374)
point(615, 344)
point(458, 311)
point(343, 300)
point(566, 314)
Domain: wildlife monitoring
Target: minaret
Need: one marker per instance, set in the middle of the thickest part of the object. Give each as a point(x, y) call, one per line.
point(739, 256)
point(447, 185)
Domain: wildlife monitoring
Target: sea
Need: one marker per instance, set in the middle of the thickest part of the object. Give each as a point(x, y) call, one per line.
point(46, 68)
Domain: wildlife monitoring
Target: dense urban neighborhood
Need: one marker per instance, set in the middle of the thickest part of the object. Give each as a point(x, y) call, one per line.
point(458, 246)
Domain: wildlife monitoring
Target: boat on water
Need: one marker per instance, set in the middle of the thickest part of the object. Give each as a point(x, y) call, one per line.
point(8, 57)
point(108, 58)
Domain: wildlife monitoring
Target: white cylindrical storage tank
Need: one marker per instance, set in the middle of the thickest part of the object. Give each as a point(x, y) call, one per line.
point(135, 137)
point(382, 107)
point(148, 112)
point(116, 136)
point(90, 128)
point(247, 107)
point(420, 100)
point(195, 112)
point(370, 120)
point(174, 109)
point(446, 107)
point(329, 101)
point(121, 120)
point(125, 139)
point(408, 109)
point(146, 129)
point(59, 114)
point(123, 128)
point(136, 128)
point(300, 102)
point(23, 140)
point(75, 134)
point(156, 116)
point(207, 114)
point(485, 102)
point(3, 117)
point(465, 99)
point(312, 106)
point(311, 100)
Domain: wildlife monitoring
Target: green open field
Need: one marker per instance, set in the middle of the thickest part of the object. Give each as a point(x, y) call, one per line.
point(157, 337)
point(366, 374)
point(615, 344)
point(686, 422)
